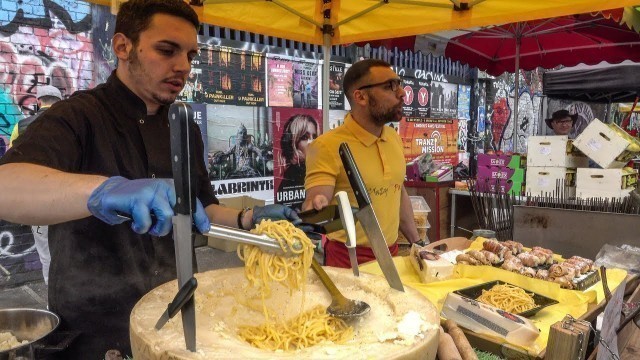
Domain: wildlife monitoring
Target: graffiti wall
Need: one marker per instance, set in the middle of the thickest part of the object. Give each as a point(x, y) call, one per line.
point(42, 42)
point(501, 116)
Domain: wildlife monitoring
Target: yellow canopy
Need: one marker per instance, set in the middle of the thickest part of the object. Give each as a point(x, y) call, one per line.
point(361, 20)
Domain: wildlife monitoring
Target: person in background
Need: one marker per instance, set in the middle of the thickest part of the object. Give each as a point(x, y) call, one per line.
point(376, 95)
point(561, 122)
point(47, 95)
point(299, 131)
point(106, 151)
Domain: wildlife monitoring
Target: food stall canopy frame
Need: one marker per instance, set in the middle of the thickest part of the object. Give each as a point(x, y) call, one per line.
point(602, 83)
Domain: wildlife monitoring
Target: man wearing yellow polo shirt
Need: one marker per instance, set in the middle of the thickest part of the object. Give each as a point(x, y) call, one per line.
point(375, 94)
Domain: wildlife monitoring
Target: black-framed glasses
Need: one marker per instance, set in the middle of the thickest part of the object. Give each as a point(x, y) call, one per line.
point(392, 85)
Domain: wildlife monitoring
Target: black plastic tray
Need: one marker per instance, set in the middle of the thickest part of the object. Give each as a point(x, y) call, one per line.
point(473, 292)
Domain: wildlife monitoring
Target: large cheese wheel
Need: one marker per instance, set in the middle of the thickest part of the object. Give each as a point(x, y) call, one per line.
point(400, 325)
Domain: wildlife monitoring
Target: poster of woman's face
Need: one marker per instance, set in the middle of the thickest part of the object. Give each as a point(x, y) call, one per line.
point(293, 131)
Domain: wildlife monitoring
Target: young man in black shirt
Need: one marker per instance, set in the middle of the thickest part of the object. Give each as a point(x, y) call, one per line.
point(105, 150)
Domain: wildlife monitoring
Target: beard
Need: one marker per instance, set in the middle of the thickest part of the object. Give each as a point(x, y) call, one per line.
point(382, 115)
point(138, 72)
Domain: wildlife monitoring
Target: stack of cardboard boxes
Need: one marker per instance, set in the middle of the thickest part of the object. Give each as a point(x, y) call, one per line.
point(612, 148)
point(501, 173)
point(557, 163)
point(551, 165)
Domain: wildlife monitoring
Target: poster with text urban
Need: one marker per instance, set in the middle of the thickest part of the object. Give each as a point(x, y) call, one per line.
point(305, 85)
point(293, 130)
point(444, 100)
point(438, 137)
point(280, 82)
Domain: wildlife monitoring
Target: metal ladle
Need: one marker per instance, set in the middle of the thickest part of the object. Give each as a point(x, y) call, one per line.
point(340, 307)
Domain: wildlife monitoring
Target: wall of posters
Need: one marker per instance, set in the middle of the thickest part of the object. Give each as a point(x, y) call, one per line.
point(293, 131)
point(438, 137)
point(444, 100)
point(280, 82)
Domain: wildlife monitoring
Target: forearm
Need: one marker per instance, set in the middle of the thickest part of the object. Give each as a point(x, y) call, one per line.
point(407, 224)
point(38, 195)
point(222, 215)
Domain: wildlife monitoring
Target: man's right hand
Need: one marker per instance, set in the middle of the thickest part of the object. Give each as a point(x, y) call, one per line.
point(319, 202)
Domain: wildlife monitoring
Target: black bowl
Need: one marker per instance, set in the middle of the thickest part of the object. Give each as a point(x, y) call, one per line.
point(473, 292)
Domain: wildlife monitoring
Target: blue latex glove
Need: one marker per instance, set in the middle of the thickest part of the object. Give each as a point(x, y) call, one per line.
point(275, 212)
point(139, 198)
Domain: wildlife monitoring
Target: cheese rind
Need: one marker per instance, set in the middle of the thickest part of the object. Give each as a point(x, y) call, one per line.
point(430, 270)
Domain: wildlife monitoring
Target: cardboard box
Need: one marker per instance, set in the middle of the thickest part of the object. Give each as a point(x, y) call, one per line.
point(607, 145)
point(546, 179)
point(556, 151)
point(509, 161)
point(606, 182)
point(238, 203)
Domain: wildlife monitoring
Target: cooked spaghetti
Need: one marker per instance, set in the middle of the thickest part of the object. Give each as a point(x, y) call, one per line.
point(306, 329)
point(261, 268)
point(508, 298)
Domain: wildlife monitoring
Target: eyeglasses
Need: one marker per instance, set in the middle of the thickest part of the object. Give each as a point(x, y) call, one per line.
point(391, 85)
point(563, 122)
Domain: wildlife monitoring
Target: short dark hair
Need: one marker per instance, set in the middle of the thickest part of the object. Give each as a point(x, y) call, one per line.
point(135, 16)
point(359, 70)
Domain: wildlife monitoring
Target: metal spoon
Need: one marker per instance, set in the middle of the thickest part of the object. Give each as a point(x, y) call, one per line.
point(340, 307)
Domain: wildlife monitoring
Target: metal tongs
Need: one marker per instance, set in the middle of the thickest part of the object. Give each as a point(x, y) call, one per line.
point(266, 243)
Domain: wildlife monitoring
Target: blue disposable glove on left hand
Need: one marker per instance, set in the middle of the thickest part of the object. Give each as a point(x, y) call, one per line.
point(275, 212)
point(139, 198)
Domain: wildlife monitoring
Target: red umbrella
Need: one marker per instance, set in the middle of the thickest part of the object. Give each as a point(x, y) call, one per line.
point(547, 43)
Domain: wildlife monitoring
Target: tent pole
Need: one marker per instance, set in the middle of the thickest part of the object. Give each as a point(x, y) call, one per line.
point(326, 55)
point(516, 95)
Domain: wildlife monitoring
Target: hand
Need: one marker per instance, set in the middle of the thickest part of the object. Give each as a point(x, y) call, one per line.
point(319, 202)
point(139, 198)
point(275, 212)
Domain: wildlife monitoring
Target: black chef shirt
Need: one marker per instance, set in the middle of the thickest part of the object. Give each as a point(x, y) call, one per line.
point(98, 271)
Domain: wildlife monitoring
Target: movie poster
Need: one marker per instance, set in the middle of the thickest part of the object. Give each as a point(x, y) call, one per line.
point(251, 91)
point(240, 151)
point(409, 107)
point(422, 104)
point(305, 84)
point(221, 75)
point(438, 137)
point(293, 130)
point(280, 82)
point(336, 91)
point(444, 100)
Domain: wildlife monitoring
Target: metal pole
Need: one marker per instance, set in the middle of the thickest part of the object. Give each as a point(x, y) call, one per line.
point(326, 55)
point(516, 95)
